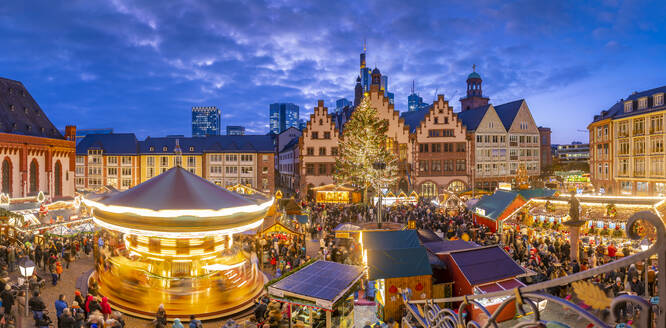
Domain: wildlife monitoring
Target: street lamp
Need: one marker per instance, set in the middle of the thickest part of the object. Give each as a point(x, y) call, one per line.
point(26, 267)
point(645, 244)
point(379, 166)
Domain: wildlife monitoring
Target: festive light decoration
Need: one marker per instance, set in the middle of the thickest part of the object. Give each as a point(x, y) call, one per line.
point(178, 235)
point(363, 144)
point(178, 213)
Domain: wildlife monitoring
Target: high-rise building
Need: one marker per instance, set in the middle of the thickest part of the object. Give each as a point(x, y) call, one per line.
point(414, 101)
point(342, 103)
point(283, 116)
point(302, 124)
point(205, 121)
point(235, 130)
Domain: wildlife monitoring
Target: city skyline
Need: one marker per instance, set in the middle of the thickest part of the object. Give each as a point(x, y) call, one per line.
point(86, 70)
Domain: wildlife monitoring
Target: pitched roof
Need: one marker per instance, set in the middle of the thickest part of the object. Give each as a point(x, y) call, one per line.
point(495, 204)
point(197, 144)
point(414, 118)
point(471, 118)
point(447, 246)
point(290, 145)
point(393, 254)
point(177, 189)
point(111, 144)
point(20, 113)
point(507, 112)
point(534, 193)
point(486, 264)
point(617, 110)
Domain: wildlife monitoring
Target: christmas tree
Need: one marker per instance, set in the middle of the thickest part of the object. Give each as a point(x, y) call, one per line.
point(364, 143)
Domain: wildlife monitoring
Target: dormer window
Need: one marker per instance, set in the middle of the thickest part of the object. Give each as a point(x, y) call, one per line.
point(191, 148)
point(164, 148)
point(642, 103)
point(25, 110)
point(151, 148)
point(658, 99)
point(28, 127)
point(11, 107)
point(628, 106)
point(41, 130)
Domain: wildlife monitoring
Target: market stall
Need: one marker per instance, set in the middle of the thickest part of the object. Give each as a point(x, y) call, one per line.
point(336, 194)
point(396, 260)
point(319, 295)
point(278, 225)
point(493, 209)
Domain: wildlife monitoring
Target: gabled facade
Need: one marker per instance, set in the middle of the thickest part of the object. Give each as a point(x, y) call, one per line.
point(318, 148)
point(440, 150)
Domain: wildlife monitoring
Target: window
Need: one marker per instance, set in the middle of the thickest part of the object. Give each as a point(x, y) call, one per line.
point(428, 189)
point(639, 166)
point(460, 165)
point(217, 158)
point(423, 166)
point(80, 160)
point(623, 129)
point(150, 161)
point(191, 161)
point(657, 166)
point(112, 171)
point(178, 161)
point(246, 158)
point(315, 135)
point(231, 169)
point(448, 147)
point(639, 146)
point(264, 170)
point(449, 133)
point(436, 166)
point(310, 151)
point(327, 135)
point(126, 171)
point(628, 106)
point(639, 126)
point(150, 172)
point(448, 165)
point(437, 148)
point(423, 148)
point(322, 151)
point(460, 147)
point(479, 139)
point(79, 170)
point(126, 160)
point(248, 169)
point(231, 158)
point(656, 123)
point(191, 148)
point(660, 187)
point(264, 183)
point(641, 186)
point(642, 103)
point(112, 160)
point(265, 157)
point(322, 169)
point(495, 139)
point(309, 169)
point(434, 133)
point(624, 167)
point(658, 100)
point(657, 145)
point(334, 151)
point(164, 161)
point(164, 148)
point(151, 148)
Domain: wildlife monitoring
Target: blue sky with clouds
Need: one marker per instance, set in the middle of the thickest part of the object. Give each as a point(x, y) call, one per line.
point(139, 66)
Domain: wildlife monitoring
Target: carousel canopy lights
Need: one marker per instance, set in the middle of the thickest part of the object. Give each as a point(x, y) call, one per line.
point(178, 213)
point(178, 235)
point(223, 267)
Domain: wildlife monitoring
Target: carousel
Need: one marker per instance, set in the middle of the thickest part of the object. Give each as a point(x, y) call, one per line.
point(170, 241)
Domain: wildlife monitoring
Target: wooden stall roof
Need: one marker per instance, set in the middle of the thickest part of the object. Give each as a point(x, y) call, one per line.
point(333, 187)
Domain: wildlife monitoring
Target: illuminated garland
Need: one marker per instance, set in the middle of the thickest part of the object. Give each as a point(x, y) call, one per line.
point(611, 210)
point(178, 213)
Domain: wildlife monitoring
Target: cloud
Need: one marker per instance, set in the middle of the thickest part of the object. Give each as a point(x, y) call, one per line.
point(139, 66)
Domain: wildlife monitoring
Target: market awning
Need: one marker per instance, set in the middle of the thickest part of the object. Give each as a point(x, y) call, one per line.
point(448, 246)
point(394, 254)
point(321, 282)
point(486, 264)
point(347, 227)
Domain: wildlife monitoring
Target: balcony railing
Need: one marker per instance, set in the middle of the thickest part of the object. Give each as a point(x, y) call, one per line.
point(428, 314)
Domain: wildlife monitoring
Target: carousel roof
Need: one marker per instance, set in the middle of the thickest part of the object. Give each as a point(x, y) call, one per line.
point(177, 189)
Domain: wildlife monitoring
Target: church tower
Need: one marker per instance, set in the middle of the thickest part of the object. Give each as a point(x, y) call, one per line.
point(358, 92)
point(474, 96)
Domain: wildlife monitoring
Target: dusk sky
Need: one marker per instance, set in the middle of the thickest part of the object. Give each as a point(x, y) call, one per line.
point(139, 66)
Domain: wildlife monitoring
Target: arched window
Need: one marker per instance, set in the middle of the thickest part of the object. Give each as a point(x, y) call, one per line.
point(57, 172)
point(7, 177)
point(456, 186)
point(428, 189)
point(34, 177)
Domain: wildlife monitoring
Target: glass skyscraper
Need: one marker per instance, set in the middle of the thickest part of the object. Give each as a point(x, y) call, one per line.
point(342, 103)
point(205, 121)
point(283, 116)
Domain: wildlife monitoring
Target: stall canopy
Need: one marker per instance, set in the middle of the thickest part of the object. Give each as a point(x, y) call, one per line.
point(395, 254)
point(321, 282)
point(448, 246)
point(290, 206)
point(273, 225)
point(427, 235)
point(494, 208)
point(528, 194)
point(486, 264)
point(347, 227)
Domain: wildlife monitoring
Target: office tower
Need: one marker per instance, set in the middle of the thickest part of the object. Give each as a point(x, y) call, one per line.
point(205, 121)
point(235, 130)
point(342, 103)
point(283, 116)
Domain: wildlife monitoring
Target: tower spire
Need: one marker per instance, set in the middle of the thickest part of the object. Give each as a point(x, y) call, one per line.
point(179, 153)
point(473, 67)
point(412, 86)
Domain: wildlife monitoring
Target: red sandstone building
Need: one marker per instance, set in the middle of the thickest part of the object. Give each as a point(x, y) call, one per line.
point(34, 155)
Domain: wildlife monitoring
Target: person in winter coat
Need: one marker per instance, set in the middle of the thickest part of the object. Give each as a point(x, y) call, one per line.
point(86, 306)
point(161, 316)
point(7, 299)
point(66, 320)
point(60, 306)
point(194, 323)
point(78, 298)
point(106, 307)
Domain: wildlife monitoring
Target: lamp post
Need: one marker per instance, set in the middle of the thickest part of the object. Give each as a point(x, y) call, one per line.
point(26, 267)
point(645, 244)
point(379, 166)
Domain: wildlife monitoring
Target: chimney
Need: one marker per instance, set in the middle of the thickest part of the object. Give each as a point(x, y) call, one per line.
point(70, 132)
